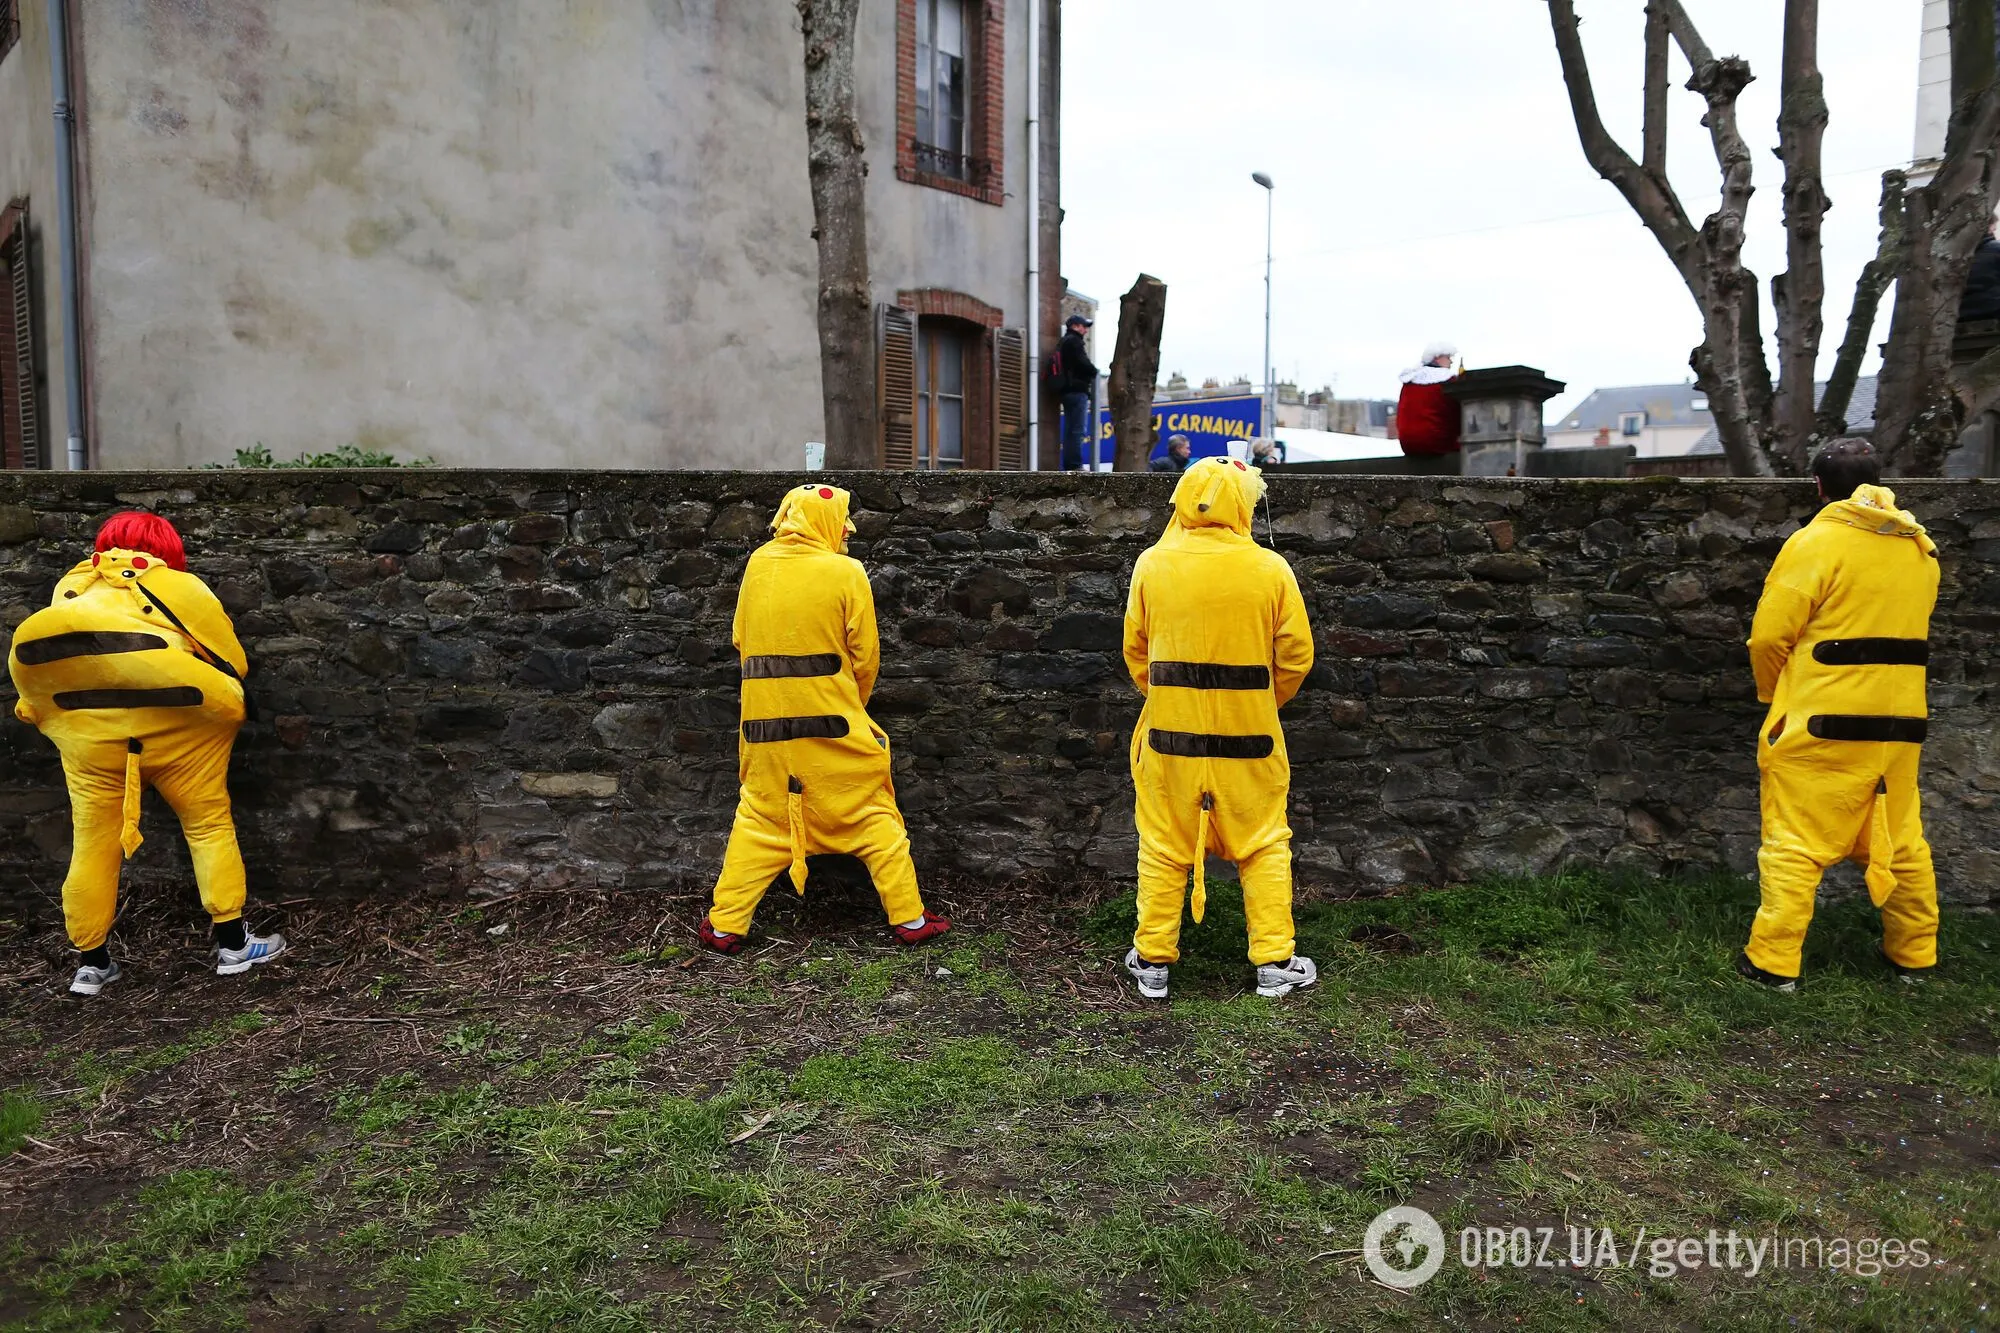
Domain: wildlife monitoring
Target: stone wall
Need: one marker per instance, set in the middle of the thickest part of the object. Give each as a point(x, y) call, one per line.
point(480, 681)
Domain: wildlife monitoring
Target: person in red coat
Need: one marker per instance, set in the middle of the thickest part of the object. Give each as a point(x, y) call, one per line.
point(1427, 418)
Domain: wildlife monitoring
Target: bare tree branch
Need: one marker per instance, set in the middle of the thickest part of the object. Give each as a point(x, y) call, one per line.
point(1798, 294)
point(1739, 378)
point(1651, 198)
point(1972, 65)
point(1876, 275)
point(1729, 364)
point(1685, 35)
point(1922, 400)
point(1758, 392)
point(1654, 154)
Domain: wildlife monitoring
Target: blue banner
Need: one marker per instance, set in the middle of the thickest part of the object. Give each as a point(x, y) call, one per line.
point(1209, 423)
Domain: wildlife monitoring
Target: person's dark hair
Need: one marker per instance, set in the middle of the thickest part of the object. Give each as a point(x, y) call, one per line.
point(1178, 442)
point(1845, 464)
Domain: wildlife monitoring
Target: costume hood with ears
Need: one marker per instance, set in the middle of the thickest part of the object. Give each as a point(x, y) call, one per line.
point(1873, 509)
point(1216, 493)
point(816, 515)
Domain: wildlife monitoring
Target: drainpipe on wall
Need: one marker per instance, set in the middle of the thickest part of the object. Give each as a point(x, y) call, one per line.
point(72, 313)
point(1034, 235)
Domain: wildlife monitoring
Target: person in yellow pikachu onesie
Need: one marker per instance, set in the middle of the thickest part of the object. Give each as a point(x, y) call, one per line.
point(1216, 639)
point(134, 671)
point(814, 767)
point(1838, 647)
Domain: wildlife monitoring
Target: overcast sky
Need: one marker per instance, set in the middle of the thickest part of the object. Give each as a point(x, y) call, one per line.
point(1429, 182)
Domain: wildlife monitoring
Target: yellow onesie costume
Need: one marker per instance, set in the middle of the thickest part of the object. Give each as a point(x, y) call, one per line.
point(129, 700)
point(814, 767)
point(1216, 639)
point(1839, 647)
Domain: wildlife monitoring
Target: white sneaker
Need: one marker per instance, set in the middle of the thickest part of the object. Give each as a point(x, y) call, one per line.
point(256, 949)
point(1295, 973)
point(90, 980)
point(1152, 977)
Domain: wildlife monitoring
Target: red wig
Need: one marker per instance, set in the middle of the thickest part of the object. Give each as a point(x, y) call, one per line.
point(134, 531)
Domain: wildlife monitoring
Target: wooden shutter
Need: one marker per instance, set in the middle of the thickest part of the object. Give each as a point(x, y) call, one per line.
point(20, 436)
point(1010, 400)
point(896, 385)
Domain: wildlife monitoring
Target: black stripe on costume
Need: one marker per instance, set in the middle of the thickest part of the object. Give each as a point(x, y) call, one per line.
point(1209, 676)
point(769, 730)
point(1872, 652)
point(781, 667)
point(1198, 745)
point(1858, 727)
point(84, 643)
point(171, 696)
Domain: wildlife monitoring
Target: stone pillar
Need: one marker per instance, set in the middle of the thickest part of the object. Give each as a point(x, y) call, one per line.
point(1502, 423)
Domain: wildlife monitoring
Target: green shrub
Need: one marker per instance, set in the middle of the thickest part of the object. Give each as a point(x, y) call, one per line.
point(347, 455)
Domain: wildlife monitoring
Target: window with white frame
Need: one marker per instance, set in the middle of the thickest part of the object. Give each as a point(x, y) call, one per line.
point(1631, 423)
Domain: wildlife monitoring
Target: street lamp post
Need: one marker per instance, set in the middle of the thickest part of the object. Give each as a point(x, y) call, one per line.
point(1270, 386)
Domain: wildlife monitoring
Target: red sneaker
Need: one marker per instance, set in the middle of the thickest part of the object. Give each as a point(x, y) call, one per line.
point(716, 940)
point(932, 927)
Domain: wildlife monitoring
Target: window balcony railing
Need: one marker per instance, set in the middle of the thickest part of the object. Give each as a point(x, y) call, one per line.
point(958, 166)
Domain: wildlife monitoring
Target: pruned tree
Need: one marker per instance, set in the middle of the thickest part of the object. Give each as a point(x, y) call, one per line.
point(1135, 369)
point(838, 174)
point(1922, 398)
point(1928, 235)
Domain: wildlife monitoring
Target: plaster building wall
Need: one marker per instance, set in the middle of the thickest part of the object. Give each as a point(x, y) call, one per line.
point(492, 232)
point(28, 171)
point(481, 681)
point(920, 236)
point(1650, 442)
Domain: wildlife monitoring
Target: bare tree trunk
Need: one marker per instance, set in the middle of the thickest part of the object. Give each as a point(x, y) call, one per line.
point(1922, 401)
point(838, 173)
point(1876, 275)
point(1729, 364)
point(1135, 369)
point(1799, 293)
point(1928, 236)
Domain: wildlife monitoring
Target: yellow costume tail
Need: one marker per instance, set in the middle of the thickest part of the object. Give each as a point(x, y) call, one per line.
point(1881, 851)
point(128, 835)
point(795, 816)
point(1200, 895)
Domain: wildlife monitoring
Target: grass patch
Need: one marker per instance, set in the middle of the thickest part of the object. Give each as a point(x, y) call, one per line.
point(780, 1144)
point(20, 1116)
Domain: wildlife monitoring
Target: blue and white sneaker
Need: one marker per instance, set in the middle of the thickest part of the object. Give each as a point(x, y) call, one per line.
point(90, 980)
point(256, 949)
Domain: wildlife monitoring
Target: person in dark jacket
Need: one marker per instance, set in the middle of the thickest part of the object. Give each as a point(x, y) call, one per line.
point(1078, 385)
point(1427, 418)
point(1175, 459)
point(1982, 282)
